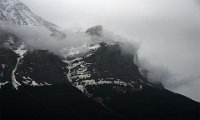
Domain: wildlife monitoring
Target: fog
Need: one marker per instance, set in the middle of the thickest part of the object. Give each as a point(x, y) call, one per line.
point(168, 32)
point(75, 42)
point(39, 37)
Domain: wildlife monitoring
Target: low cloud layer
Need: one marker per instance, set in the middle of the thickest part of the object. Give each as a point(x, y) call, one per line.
point(39, 37)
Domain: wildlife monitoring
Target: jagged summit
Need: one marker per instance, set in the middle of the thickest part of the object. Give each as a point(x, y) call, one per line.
point(96, 30)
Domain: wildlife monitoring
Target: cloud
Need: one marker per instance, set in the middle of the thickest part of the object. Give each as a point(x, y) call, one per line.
point(154, 73)
point(39, 37)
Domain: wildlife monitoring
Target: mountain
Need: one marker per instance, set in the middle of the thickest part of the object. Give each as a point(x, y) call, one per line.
point(16, 12)
point(102, 83)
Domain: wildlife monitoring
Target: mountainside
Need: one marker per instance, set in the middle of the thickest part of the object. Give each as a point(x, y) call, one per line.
point(102, 83)
point(61, 101)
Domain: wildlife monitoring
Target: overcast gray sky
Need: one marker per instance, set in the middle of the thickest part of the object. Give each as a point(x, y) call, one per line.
point(169, 31)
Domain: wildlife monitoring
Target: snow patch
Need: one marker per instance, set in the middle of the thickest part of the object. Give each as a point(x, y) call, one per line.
point(89, 82)
point(85, 76)
point(33, 83)
point(82, 84)
point(104, 82)
point(45, 83)
point(80, 87)
point(3, 66)
point(121, 83)
point(26, 82)
point(89, 55)
point(3, 83)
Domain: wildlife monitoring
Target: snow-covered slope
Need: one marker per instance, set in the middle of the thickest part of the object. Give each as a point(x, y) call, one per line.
point(16, 12)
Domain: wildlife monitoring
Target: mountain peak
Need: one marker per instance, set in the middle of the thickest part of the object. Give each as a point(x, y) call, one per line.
point(96, 30)
point(16, 12)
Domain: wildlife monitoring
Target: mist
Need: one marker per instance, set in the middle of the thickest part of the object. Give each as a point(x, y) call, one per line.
point(39, 38)
point(75, 42)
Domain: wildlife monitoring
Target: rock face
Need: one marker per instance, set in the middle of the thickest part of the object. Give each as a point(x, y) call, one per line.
point(105, 64)
point(41, 67)
point(102, 83)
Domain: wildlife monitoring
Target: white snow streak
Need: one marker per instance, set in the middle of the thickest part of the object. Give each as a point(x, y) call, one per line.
point(20, 51)
point(3, 83)
point(14, 81)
